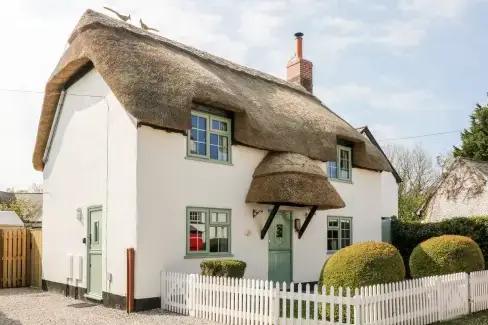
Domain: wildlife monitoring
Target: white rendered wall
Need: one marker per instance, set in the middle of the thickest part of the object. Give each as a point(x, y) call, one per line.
point(389, 195)
point(76, 176)
point(168, 182)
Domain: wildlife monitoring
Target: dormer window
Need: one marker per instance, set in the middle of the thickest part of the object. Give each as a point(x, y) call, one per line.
point(209, 138)
point(342, 168)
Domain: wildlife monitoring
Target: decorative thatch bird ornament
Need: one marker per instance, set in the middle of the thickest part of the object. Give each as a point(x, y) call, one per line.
point(122, 17)
point(145, 27)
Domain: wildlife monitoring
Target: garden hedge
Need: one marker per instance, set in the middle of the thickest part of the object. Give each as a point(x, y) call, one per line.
point(223, 268)
point(363, 264)
point(407, 235)
point(445, 255)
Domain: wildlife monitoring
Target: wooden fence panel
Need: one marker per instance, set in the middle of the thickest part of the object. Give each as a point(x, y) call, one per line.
point(20, 264)
point(36, 258)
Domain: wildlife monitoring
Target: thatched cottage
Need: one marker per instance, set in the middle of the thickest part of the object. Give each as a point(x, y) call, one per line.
point(149, 144)
point(462, 192)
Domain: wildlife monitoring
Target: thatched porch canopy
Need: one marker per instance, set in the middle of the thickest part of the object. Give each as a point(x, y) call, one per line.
point(292, 179)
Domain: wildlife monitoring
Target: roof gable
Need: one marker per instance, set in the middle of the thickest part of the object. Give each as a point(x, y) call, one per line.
point(367, 132)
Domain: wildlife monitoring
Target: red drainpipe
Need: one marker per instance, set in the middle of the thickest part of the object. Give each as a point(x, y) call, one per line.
point(130, 280)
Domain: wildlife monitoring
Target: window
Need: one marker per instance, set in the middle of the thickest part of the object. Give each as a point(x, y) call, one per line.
point(210, 137)
point(342, 168)
point(339, 232)
point(95, 232)
point(208, 231)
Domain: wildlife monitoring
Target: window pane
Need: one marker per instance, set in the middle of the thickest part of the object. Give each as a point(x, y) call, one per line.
point(345, 164)
point(222, 217)
point(332, 244)
point(218, 147)
point(345, 242)
point(198, 136)
point(219, 239)
point(202, 149)
point(334, 223)
point(197, 236)
point(214, 152)
point(345, 224)
point(279, 231)
point(218, 217)
point(332, 169)
point(95, 235)
point(194, 134)
point(332, 240)
point(223, 153)
point(219, 126)
point(202, 123)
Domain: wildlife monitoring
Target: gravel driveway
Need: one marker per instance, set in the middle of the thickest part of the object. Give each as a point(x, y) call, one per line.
point(29, 306)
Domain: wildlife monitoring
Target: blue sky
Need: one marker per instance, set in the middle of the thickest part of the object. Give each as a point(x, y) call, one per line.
point(403, 67)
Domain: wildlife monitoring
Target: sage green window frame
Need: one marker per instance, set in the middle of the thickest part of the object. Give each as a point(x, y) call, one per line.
point(338, 165)
point(339, 231)
point(208, 224)
point(209, 130)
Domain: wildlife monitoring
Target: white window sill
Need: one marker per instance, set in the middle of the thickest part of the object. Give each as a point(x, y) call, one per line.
point(193, 256)
point(212, 161)
point(347, 181)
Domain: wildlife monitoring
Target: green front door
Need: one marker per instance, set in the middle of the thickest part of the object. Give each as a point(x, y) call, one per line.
point(279, 248)
point(95, 236)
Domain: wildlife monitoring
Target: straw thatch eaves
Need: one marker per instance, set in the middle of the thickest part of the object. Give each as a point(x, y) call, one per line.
point(292, 179)
point(157, 80)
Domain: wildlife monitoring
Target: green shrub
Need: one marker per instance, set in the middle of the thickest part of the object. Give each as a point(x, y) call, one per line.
point(363, 264)
point(358, 265)
point(444, 255)
point(407, 235)
point(224, 268)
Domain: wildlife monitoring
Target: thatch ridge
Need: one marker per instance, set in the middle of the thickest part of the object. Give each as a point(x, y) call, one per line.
point(157, 80)
point(291, 178)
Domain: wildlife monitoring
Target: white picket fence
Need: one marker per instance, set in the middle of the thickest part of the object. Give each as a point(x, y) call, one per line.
point(256, 302)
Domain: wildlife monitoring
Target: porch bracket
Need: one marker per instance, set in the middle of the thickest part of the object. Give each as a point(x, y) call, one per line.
point(307, 221)
point(271, 216)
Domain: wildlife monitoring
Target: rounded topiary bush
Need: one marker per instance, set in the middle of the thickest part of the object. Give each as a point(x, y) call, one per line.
point(446, 254)
point(363, 264)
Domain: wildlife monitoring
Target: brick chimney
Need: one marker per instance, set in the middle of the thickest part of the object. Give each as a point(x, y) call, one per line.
point(298, 69)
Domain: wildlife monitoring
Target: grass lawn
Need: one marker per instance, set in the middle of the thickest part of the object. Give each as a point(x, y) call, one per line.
point(474, 319)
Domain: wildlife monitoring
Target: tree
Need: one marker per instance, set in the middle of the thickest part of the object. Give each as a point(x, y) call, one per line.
point(419, 175)
point(33, 188)
point(27, 210)
point(474, 141)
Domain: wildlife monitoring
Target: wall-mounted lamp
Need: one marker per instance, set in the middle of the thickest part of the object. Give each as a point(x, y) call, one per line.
point(79, 214)
point(298, 224)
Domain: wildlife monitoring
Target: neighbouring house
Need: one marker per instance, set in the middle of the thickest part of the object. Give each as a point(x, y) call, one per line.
point(33, 219)
point(462, 192)
point(10, 219)
point(149, 144)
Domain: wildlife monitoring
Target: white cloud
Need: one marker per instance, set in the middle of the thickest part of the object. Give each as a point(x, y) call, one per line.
point(387, 99)
point(436, 8)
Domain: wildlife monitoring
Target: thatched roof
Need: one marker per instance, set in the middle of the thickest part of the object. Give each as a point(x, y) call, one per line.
point(157, 80)
point(292, 179)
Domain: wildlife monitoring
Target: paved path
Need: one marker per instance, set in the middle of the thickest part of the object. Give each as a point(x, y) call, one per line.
point(33, 307)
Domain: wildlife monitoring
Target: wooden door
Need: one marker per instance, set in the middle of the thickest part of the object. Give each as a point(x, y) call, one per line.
point(279, 248)
point(95, 256)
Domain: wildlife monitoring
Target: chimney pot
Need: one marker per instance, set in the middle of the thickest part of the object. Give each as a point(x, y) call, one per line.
point(298, 35)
